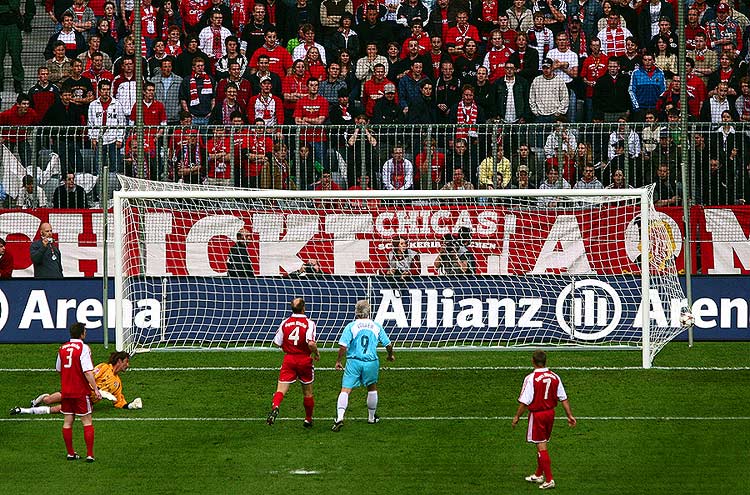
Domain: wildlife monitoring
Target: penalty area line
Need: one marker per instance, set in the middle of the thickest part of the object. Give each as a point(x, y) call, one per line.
point(409, 368)
point(56, 418)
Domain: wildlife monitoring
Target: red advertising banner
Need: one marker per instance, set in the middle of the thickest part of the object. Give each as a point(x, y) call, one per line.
point(357, 242)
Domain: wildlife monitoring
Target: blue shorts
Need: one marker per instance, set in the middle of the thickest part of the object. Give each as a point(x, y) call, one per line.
point(358, 373)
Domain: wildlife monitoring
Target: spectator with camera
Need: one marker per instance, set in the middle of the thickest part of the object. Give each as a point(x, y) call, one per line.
point(402, 261)
point(454, 257)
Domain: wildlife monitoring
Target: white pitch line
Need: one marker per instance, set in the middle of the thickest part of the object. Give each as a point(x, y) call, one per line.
point(406, 418)
point(415, 368)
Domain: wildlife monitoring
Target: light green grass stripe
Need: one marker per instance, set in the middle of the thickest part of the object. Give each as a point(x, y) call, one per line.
point(412, 418)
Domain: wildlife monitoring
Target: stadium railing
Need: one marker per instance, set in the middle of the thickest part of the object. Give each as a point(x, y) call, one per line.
point(718, 156)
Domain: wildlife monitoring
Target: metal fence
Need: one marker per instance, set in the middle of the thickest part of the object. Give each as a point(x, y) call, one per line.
point(386, 157)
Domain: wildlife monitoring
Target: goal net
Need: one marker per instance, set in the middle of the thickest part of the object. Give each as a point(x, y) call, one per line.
point(212, 267)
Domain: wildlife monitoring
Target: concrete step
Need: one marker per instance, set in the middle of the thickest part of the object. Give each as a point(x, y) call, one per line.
point(31, 56)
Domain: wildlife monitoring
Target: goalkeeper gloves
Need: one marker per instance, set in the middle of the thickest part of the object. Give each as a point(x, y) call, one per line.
point(136, 403)
point(107, 395)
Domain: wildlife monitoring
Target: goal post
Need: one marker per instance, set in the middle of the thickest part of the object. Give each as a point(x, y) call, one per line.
point(442, 269)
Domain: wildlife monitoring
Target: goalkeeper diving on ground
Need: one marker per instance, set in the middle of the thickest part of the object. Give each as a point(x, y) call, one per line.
point(107, 376)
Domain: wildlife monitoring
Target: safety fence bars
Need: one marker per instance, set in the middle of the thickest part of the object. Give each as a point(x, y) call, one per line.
point(494, 155)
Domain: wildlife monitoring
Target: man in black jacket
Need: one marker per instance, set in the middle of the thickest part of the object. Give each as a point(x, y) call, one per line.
point(239, 263)
point(519, 87)
point(63, 116)
point(611, 98)
point(70, 195)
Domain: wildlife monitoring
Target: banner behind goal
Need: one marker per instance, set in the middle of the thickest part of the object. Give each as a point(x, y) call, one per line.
point(441, 269)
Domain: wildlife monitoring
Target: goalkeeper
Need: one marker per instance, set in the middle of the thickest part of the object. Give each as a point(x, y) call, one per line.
point(107, 376)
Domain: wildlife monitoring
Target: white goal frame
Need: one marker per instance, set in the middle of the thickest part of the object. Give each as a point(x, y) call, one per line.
point(178, 191)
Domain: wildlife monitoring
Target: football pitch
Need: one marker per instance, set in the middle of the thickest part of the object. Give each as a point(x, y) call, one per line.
point(681, 427)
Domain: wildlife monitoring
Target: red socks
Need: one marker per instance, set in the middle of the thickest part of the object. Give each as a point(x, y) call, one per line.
point(88, 437)
point(277, 398)
point(539, 470)
point(68, 437)
point(546, 465)
point(309, 403)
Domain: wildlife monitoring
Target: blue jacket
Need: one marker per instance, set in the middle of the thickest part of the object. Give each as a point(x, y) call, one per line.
point(645, 90)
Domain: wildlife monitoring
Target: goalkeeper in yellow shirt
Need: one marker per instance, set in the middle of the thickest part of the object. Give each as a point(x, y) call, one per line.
point(107, 376)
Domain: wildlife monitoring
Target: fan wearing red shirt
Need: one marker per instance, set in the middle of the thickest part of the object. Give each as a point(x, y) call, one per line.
point(279, 58)
point(76, 383)
point(312, 110)
point(19, 116)
point(266, 106)
point(417, 33)
point(458, 34)
point(154, 114)
point(541, 391)
point(296, 337)
point(293, 88)
point(496, 56)
point(374, 89)
point(594, 67)
point(219, 157)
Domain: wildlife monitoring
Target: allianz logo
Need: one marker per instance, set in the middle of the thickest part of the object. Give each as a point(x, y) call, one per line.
point(588, 309)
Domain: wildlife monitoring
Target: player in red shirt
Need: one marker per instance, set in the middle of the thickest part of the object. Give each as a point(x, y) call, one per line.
point(296, 337)
point(539, 395)
point(76, 383)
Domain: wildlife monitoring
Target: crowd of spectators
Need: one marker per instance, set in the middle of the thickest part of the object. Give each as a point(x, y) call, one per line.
point(232, 75)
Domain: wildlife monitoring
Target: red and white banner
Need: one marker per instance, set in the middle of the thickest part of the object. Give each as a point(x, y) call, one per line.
point(357, 242)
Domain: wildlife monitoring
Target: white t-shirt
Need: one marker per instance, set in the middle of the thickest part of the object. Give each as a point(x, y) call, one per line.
point(568, 56)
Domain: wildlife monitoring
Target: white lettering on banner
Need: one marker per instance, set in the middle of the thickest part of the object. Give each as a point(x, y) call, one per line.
point(170, 246)
point(509, 231)
point(726, 305)
point(196, 246)
point(705, 308)
point(277, 252)
point(440, 312)
point(571, 257)
point(587, 310)
point(728, 239)
point(347, 250)
point(487, 222)
point(37, 308)
point(159, 226)
point(4, 310)
point(88, 312)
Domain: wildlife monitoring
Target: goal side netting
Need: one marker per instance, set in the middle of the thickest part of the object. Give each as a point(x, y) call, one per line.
point(209, 267)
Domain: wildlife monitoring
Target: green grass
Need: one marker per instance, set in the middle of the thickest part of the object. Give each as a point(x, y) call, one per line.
point(230, 449)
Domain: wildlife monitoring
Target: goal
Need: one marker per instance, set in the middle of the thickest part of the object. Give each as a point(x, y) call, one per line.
point(207, 267)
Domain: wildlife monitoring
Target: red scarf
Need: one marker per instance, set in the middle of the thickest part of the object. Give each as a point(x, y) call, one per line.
point(217, 45)
point(466, 115)
point(173, 50)
point(194, 97)
point(105, 106)
point(615, 42)
point(398, 176)
point(113, 28)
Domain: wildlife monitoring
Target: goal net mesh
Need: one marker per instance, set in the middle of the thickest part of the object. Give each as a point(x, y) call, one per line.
point(482, 270)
